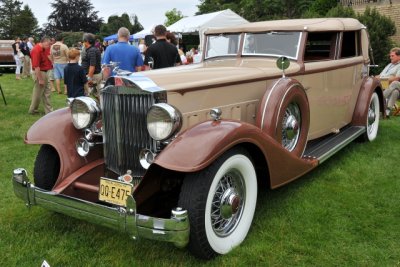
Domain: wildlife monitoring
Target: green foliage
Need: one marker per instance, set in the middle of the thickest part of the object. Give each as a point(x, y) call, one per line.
point(258, 10)
point(115, 22)
point(344, 213)
point(15, 22)
point(72, 38)
point(73, 15)
point(380, 28)
point(172, 16)
point(26, 23)
point(322, 7)
point(341, 12)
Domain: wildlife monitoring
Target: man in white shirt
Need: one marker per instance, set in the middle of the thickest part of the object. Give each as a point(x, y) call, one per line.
point(391, 73)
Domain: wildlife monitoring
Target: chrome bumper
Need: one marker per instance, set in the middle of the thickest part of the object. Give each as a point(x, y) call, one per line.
point(174, 230)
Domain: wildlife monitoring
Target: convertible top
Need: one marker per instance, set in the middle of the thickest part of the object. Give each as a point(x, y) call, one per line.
point(310, 25)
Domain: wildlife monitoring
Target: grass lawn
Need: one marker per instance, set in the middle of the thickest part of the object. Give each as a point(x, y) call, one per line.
point(345, 213)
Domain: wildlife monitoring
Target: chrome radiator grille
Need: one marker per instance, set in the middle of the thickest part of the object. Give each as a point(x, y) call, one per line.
point(125, 132)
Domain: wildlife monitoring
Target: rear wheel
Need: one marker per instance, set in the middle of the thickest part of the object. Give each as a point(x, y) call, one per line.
point(221, 201)
point(47, 167)
point(372, 123)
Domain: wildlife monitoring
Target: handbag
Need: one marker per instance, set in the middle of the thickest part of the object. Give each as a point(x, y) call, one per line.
point(20, 54)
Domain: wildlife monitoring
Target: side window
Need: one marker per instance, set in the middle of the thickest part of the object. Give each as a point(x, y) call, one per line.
point(351, 44)
point(320, 46)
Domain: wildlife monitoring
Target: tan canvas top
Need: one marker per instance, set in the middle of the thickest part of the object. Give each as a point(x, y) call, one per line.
point(311, 25)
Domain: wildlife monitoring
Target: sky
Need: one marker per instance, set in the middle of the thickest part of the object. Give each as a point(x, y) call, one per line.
point(149, 12)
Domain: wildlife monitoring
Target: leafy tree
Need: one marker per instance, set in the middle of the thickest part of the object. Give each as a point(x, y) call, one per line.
point(26, 23)
point(115, 22)
point(322, 7)
point(380, 28)
point(258, 10)
point(136, 25)
point(73, 15)
point(172, 16)
point(9, 10)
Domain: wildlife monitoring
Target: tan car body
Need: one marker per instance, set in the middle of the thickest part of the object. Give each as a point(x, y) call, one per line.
point(333, 96)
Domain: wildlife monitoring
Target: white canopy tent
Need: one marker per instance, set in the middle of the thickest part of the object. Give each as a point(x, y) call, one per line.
point(143, 33)
point(198, 24)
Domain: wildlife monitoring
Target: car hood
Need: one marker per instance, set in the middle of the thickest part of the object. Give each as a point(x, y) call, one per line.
point(216, 72)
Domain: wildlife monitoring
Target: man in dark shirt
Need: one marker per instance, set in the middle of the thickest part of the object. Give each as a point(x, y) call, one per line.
point(162, 53)
point(91, 61)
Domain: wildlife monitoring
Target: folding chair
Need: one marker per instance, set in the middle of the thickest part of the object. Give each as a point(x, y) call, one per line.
point(2, 93)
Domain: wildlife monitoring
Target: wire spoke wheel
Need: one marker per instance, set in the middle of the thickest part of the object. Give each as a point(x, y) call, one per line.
point(291, 126)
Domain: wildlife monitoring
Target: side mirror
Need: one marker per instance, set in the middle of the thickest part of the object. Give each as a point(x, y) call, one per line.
point(283, 63)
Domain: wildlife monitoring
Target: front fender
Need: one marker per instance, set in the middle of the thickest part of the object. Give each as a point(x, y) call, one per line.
point(199, 146)
point(56, 129)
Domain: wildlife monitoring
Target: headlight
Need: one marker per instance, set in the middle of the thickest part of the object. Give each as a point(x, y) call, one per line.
point(163, 121)
point(84, 111)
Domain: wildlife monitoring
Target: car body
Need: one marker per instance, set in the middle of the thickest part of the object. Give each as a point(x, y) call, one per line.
point(7, 54)
point(184, 150)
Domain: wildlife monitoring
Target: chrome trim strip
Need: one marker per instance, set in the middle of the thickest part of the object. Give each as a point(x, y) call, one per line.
point(266, 102)
point(174, 230)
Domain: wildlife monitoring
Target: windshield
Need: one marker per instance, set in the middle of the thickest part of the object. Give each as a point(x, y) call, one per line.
point(272, 44)
point(222, 45)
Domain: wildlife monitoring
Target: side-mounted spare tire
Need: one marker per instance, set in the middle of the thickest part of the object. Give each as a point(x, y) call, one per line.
point(284, 114)
point(47, 167)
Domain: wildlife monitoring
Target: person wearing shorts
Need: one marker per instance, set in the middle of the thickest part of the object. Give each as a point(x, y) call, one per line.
point(59, 57)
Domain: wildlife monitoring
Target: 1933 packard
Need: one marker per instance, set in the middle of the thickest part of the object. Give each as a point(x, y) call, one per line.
point(180, 154)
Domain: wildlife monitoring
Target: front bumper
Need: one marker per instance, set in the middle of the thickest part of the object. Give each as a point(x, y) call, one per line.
point(174, 230)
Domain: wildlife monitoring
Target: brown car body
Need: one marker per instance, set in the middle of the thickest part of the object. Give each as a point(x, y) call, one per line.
point(7, 54)
point(286, 121)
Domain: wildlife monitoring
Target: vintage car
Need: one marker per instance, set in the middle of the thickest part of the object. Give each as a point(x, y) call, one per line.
point(180, 154)
point(6, 54)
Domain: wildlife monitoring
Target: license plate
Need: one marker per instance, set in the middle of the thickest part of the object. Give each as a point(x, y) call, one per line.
point(114, 192)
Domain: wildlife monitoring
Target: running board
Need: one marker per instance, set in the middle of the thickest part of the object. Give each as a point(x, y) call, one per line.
point(327, 147)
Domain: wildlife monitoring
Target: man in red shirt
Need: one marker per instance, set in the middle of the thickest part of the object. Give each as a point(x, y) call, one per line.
point(41, 64)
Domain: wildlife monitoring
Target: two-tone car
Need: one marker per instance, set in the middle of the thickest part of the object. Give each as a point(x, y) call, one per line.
point(180, 154)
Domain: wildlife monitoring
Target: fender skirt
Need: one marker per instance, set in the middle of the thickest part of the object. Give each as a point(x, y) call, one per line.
point(199, 146)
point(56, 129)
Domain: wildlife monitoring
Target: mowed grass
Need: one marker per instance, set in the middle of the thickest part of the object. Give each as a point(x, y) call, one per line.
point(344, 213)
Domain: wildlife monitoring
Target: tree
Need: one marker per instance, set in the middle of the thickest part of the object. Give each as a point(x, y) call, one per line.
point(26, 23)
point(73, 15)
point(380, 28)
point(9, 10)
point(115, 22)
point(258, 10)
point(172, 16)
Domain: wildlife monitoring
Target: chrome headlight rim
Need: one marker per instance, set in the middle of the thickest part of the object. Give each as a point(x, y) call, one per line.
point(92, 110)
point(171, 113)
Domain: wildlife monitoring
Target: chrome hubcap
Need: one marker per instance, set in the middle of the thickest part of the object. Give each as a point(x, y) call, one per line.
point(371, 116)
point(228, 203)
point(291, 126)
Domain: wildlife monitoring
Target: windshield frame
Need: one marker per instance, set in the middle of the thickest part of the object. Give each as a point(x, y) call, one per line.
point(242, 44)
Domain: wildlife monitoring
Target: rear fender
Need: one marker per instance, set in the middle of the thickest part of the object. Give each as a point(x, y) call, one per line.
point(56, 129)
point(197, 147)
point(369, 86)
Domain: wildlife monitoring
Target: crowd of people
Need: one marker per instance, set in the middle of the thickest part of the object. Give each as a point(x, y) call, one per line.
point(78, 71)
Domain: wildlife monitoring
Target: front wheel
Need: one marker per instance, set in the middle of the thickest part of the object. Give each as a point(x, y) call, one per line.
point(47, 167)
point(372, 123)
point(221, 201)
